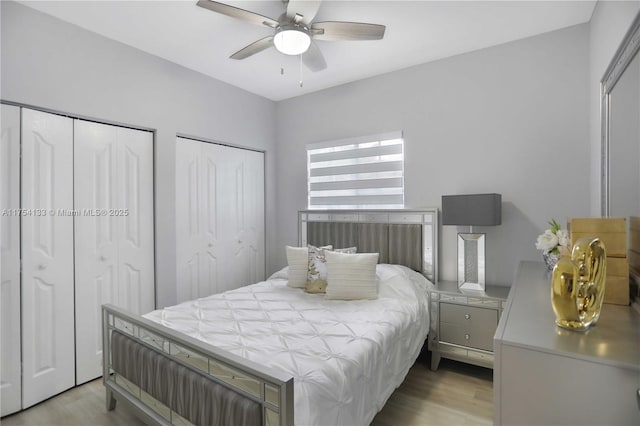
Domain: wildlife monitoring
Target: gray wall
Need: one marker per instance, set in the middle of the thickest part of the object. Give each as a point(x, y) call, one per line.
point(51, 64)
point(609, 23)
point(512, 119)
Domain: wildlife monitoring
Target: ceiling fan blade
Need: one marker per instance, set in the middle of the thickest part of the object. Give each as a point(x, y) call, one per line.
point(306, 9)
point(313, 58)
point(236, 12)
point(334, 31)
point(253, 48)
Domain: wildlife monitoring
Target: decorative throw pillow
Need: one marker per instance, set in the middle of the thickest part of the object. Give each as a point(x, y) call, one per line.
point(317, 272)
point(351, 276)
point(298, 261)
point(317, 276)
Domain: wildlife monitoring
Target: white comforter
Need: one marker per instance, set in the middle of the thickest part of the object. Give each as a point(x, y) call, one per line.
point(346, 357)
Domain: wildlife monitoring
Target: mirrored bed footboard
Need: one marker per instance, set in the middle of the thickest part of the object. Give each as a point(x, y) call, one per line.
point(170, 378)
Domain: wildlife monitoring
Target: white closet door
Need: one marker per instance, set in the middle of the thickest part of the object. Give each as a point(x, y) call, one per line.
point(220, 218)
point(197, 173)
point(10, 381)
point(254, 216)
point(243, 217)
point(233, 218)
point(210, 225)
point(96, 244)
point(134, 194)
point(114, 231)
point(187, 219)
point(47, 255)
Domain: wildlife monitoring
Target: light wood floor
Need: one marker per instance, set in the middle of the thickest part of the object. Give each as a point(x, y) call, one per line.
point(456, 394)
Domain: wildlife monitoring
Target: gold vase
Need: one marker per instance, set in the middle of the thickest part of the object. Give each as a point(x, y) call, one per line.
point(577, 285)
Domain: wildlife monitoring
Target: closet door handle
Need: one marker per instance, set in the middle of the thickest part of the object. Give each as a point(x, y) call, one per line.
point(467, 316)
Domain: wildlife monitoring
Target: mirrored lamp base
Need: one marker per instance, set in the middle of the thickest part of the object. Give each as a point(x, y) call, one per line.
point(471, 266)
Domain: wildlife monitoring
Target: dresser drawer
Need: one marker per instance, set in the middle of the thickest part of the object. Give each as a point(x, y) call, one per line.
point(468, 325)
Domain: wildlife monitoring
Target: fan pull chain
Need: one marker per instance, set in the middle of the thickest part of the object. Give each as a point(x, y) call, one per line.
point(301, 82)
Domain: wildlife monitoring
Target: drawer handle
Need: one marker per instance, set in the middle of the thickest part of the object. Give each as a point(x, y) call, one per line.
point(467, 336)
point(467, 316)
point(638, 397)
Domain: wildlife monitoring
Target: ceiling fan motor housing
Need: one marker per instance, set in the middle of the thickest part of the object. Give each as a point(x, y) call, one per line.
point(292, 38)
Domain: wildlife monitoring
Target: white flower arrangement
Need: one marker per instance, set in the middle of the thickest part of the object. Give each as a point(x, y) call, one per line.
point(554, 240)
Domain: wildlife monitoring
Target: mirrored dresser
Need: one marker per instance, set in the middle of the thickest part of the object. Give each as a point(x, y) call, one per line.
point(544, 374)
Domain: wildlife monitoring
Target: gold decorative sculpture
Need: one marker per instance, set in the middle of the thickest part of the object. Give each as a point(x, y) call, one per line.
point(577, 285)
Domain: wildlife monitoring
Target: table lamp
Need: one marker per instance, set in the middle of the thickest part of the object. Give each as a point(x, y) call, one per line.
point(471, 210)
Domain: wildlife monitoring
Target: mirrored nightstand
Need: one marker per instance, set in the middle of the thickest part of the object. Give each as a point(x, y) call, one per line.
point(463, 323)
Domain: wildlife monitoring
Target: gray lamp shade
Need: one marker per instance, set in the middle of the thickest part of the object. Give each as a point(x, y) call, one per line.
point(472, 210)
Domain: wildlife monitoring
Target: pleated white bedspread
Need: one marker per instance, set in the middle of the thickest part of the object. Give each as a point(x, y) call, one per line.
point(346, 357)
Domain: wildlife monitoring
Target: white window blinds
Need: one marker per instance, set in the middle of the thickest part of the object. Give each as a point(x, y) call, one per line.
point(364, 172)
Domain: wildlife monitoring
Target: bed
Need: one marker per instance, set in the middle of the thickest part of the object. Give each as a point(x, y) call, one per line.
point(269, 354)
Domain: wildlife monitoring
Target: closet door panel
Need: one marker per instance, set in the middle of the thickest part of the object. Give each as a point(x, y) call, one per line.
point(188, 218)
point(243, 216)
point(47, 253)
point(114, 231)
point(210, 211)
point(133, 213)
point(220, 218)
point(232, 189)
point(96, 243)
point(244, 190)
point(254, 215)
point(10, 381)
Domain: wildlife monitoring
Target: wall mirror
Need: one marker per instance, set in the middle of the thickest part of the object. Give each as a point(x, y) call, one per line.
point(620, 109)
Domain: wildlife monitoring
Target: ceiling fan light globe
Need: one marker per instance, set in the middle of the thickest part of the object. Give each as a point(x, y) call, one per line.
point(292, 41)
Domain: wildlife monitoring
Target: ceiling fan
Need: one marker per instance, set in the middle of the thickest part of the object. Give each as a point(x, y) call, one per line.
point(294, 31)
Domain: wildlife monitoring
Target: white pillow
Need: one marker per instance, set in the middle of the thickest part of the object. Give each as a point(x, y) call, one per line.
point(351, 276)
point(298, 260)
point(282, 274)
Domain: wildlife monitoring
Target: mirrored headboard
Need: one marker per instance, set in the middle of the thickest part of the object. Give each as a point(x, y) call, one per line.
point(620, 126)
point(405, 237)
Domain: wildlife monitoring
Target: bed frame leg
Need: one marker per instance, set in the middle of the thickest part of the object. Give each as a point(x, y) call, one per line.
point(111, 401)
point(435, 360)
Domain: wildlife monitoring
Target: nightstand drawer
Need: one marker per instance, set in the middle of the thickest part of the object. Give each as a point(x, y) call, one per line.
point(459, 335)
point(465, 315)
point(468, 326)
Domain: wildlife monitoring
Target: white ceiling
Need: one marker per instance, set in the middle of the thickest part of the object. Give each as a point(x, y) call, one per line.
point(417, 32)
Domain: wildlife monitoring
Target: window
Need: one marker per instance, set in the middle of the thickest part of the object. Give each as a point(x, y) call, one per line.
point(364, 172)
